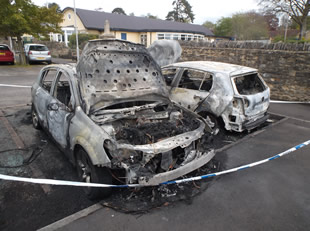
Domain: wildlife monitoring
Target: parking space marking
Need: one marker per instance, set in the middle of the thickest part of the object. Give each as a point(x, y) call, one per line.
point(11, 85)
point(16, 105)
point(20, 144)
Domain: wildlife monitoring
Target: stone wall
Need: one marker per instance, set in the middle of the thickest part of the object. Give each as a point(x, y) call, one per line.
point(58, 50)
point(285, 68)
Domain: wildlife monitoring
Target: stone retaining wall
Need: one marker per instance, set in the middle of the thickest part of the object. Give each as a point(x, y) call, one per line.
point(286, 71)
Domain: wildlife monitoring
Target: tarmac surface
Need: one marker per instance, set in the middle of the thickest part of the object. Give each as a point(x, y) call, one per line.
point(273, 196)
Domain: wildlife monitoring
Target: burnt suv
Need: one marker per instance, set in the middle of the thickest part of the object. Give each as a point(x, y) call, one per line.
point(112, 116)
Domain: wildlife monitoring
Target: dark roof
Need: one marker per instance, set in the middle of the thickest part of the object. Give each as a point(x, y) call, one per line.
point(94, 20)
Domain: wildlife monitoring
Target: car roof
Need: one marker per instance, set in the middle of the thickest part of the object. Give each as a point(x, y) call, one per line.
point(70, 67)
point(214, 67)
point(4, 45)
point(34, 44)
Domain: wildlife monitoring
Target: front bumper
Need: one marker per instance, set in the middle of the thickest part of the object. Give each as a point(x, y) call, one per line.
point(173, 174)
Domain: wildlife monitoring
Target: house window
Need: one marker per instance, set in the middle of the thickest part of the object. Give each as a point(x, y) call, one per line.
point(124, 36)
point(176, 37)
point(160, 36)
point(185, 37)
point(69, 16)
point(168, 36)
point(143, 39)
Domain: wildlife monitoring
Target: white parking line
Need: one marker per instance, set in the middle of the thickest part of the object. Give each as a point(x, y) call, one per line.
point(292, 102)
point(10, 85)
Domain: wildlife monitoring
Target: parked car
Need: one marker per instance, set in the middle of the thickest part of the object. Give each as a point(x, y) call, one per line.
point(36, 53)
point(111, 115)
point(232, 95)
point(6, 55)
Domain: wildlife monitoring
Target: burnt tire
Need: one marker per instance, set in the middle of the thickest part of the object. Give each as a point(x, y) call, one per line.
point(35, 119)
point(89, 173)
point(217, 128)
point(217, 125)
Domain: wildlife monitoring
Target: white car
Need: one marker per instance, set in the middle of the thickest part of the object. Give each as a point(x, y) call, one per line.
point(232, 95)
point(36, 53)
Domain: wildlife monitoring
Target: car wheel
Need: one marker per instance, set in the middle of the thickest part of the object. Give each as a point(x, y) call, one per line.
point(35, 118)
point(215, 124)
point(216, 127)
point(89, 173)
point(49, 62)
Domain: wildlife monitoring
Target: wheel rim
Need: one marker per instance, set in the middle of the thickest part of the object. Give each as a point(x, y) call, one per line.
point(215, 126)
point(35, 120)
point(84, 171)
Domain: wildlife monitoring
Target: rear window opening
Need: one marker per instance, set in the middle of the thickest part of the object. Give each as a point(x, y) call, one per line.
point(38, 48)
point(249, 84)
point(4, 48)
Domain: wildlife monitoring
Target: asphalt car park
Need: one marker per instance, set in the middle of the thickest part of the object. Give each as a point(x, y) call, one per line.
point(28, 207)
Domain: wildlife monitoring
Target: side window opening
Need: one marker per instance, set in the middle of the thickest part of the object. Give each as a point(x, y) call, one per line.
point(62, 90)
point(207, 82)
point(48, 78)
point(169, 74)
point(196, 80)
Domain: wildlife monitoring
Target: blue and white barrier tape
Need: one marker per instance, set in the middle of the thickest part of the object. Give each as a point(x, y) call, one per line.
point(73, 183)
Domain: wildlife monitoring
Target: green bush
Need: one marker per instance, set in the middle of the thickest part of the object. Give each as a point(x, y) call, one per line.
point(82, 38)
point(280, 38)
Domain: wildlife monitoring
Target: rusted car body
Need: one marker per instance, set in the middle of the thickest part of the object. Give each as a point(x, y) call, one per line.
point(112, 114)
point(224, 93)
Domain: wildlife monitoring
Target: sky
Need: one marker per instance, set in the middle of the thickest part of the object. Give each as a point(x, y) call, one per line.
point(210, 10)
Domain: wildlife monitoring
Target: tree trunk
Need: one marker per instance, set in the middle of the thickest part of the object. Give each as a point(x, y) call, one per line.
point(303, 28)
point(22, 56)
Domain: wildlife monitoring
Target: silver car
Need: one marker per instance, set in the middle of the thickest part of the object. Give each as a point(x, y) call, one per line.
point(227, 94)
point(37, 53)
point(112, 116)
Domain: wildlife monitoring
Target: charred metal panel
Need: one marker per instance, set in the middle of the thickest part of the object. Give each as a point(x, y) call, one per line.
point(111, 70)
point(165, 52)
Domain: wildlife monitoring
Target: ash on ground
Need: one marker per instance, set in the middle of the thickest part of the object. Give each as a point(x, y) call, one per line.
point(142, 200)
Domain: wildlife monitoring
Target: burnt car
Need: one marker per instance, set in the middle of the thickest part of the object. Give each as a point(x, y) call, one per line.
point(231, 96)
point(112, 116)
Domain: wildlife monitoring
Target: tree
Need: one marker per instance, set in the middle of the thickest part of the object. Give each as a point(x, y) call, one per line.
point(223, 27)
point(209, 25)
point(243, 26)
point(151, 16)
point(82, 39)
point(297, 10)
point(272, 21)
point(118, 10)
point(19, 17)
point(53, 4)
point(249, 26)
point(182, 12)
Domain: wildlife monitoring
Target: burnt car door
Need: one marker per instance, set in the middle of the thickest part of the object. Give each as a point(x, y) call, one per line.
point(191, 87)
point(60, 109)
point(43, 93)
